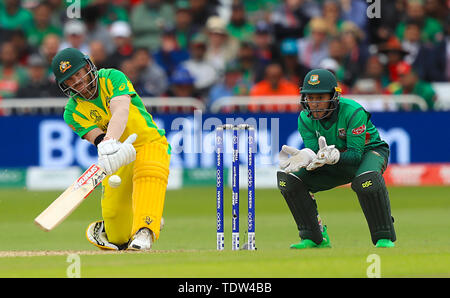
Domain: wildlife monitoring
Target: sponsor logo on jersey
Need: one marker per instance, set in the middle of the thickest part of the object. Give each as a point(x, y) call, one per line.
point(359, 130)
point(282, 183)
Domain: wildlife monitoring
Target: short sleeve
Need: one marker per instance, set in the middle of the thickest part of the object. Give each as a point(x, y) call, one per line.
point(356, 131)
point(79, 123)
point(121, 85)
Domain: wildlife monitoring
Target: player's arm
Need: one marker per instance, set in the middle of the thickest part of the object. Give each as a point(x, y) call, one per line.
point(120, 108)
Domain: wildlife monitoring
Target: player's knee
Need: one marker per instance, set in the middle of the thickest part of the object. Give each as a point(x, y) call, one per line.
point(369, 182)
point(153, 169)
point(286, 182)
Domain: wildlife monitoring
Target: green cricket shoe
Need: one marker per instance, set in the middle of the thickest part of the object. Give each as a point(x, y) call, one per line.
point(384, 243)
point(308, 243)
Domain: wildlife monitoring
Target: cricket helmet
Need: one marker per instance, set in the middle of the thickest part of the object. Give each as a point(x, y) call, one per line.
point(320, 81)
point(66, 63)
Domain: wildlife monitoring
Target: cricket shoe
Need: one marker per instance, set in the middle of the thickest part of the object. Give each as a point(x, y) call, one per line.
point(308, 243)
point(142, 240)
point(384, 243)
point(95, 234)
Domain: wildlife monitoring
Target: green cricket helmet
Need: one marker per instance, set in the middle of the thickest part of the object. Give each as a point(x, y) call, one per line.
point(66, 63)
point(320, 81)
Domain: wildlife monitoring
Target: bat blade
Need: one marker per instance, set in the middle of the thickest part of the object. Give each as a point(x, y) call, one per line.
point(70, 199)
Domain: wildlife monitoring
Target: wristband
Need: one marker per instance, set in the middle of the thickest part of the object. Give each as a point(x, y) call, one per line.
point(99, 139)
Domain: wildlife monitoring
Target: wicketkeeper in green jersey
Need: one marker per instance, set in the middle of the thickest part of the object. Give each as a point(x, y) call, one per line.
point(341, 146)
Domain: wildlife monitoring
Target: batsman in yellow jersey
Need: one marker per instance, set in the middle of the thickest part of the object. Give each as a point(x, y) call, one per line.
point(104, 109)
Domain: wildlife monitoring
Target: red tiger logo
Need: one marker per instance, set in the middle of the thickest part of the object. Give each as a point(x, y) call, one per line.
point(359, 130)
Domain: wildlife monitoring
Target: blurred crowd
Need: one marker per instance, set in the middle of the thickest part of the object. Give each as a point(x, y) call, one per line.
point(213, 49)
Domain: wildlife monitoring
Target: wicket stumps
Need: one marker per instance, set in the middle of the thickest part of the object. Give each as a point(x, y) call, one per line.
point(235, 186)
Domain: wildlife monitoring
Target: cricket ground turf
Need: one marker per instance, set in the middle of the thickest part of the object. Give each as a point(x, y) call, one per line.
point(187, 246)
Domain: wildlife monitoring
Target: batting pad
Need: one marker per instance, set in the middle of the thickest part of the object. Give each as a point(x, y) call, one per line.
point(151, 172)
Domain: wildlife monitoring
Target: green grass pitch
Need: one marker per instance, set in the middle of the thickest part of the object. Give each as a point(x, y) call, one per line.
point(186, 247)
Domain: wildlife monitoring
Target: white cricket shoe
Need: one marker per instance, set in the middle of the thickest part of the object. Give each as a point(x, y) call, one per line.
point(142, 240)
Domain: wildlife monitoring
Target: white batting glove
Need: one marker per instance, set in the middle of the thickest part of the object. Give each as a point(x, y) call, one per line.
point(293, 159)
point(113, 154)
point(327, 155)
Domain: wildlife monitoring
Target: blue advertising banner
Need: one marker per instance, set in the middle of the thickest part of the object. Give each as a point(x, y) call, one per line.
point(414, 137)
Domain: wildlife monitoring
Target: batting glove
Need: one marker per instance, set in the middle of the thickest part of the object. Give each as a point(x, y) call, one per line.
point(113, 154)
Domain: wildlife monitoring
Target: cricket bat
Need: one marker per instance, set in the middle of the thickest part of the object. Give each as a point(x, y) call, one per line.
point(70, 199)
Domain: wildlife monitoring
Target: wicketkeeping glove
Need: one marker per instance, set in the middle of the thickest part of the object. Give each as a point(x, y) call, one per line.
point(326, 155)
point(113, 154)
point(293, 159)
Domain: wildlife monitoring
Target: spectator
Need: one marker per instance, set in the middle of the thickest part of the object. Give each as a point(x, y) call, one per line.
point(375, 70)
point(411, 84)
point(23, 49)
point(314, 48)
point(201, 10)
point(13, 16)
point(184, 30)
point(121, 34)
point(266, 49)
point(440, 67)
point(291, 17)
point(273, 85)
point(99, 56)
point(432, 30)
point(395, 54)
point(128, 67)
point(147, 21)
point(221, 49)
point(75, 36)
point(152, 79)
point(41, 25)
point(238, 26)
point(437, 9)
point(355, 11)
point(331, 13)
point(331, 65)
point(12, 75)
point(96, 30)
point(169, 56)
point(203, 72)
point(251, 66)
point(182, 84)
point(293, 70)
point(337, 52)
point(356, 52)
point(109, 12)
point(231, 85)
point(419, 54)
point(39, 85)
point(49, 47)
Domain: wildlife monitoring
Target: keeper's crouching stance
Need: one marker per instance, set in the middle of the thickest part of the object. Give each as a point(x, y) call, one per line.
point(105, 110)
point(357, 156)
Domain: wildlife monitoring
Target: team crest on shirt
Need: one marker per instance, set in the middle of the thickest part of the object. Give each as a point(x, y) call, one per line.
point(342, 134)
point(314, 80)
point(64, 66)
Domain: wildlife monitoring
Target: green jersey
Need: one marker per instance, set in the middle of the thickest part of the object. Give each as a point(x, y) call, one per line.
point(349, 128)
